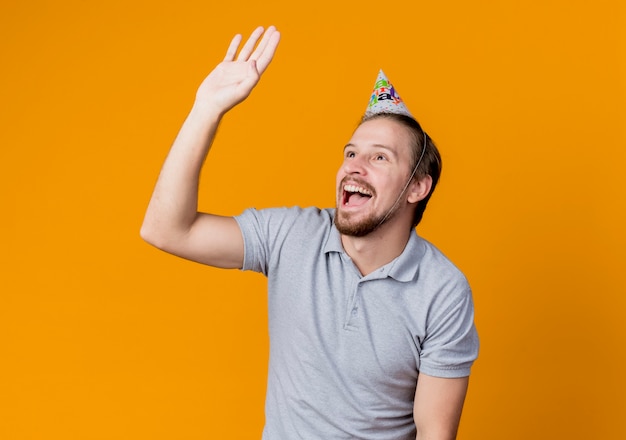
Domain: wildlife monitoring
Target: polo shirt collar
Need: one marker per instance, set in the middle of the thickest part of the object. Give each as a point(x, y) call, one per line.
point(333, 241)
point(405, 266)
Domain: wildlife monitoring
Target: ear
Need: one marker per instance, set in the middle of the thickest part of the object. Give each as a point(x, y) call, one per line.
point(419, 189)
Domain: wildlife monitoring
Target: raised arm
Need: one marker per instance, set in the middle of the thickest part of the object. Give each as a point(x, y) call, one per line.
point(172, 221)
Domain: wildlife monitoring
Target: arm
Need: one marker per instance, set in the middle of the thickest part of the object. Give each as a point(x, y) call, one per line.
point(172, 221)
point(438, 405)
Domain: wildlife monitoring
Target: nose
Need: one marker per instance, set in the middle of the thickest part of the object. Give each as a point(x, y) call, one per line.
point(355, 165)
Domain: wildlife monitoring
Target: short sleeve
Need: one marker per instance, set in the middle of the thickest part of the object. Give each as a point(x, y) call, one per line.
point(254, 233)
point(451, 344)
point(264, 232)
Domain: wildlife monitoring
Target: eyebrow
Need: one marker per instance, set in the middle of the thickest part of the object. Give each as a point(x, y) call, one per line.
point(384, 147)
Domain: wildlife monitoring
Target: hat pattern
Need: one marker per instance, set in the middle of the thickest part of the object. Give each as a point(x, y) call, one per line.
point(385, 98)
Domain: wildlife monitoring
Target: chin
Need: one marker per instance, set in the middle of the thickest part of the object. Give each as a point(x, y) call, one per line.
point(356, 228)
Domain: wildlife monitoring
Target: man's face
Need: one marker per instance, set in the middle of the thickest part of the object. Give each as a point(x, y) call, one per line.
point(374, 171)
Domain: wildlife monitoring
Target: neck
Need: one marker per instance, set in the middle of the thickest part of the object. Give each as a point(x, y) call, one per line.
point(377, 248)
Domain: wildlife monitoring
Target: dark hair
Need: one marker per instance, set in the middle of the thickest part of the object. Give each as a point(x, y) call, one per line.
point(430, 164)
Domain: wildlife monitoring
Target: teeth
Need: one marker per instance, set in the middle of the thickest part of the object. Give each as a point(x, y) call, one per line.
point(354, 189)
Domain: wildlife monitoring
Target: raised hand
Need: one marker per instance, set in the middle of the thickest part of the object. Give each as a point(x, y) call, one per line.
point(234, 78)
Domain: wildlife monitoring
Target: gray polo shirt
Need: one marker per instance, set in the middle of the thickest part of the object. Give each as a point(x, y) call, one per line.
point(345, 349)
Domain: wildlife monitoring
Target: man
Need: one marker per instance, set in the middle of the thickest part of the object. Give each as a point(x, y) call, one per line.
point(371, 327)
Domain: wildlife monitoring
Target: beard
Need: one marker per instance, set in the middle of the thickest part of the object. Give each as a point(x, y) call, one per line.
point(346, 225)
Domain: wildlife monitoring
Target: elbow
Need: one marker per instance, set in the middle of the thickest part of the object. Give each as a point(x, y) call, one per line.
point(146, 234)
point(150, 234)
point(161, 236)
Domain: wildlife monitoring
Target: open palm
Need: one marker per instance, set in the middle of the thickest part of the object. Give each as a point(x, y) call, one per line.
point(234, 78)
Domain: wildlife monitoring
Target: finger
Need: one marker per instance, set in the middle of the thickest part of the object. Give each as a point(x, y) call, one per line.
point(268, 53)
point(261, 46)
point(249, 46)
point(232, 49)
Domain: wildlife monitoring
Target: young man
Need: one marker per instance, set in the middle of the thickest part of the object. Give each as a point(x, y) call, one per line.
point(371, 327)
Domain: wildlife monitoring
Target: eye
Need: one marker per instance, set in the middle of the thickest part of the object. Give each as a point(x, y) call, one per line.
point(380, 157)
point(350, 154)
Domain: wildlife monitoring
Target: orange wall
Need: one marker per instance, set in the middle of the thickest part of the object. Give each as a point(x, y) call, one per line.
point(104, 337)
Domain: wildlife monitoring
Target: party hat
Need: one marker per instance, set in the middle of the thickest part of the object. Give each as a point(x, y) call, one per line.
point(385, 98)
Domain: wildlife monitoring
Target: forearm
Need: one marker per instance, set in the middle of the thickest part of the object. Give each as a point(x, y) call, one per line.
point(174, 204)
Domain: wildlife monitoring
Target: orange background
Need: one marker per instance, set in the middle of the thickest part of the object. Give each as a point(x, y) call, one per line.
point(104, 337)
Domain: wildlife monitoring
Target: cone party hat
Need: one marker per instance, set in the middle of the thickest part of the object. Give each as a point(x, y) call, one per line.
point(385, 98)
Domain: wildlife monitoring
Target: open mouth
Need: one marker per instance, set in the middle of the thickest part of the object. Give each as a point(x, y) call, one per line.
point(355, 195)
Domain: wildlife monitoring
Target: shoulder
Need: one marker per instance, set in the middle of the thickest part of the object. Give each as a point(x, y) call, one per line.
point(276, 225)
point(439, 282)
point(438, 263)
point(284, 216)
point(423, 262)
point(282, 234)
